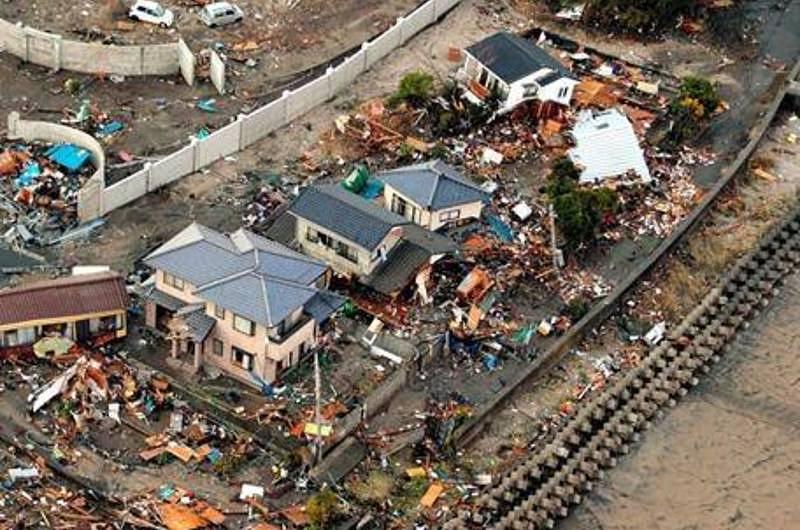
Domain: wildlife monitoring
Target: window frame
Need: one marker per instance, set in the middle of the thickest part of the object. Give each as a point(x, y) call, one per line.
point(217, 342)
point(252, 325)
point(174, 281)
point(448, 215)
point(219, 312)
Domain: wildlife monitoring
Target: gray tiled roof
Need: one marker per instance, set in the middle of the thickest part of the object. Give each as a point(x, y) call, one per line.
point(434, 185)
point(394, 274)
point(245, 273)
point(323, 305)
point(199, 324)
point(511, 58)
point(346, 214)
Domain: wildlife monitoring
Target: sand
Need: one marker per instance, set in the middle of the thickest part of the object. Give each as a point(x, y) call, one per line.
point(728, 456)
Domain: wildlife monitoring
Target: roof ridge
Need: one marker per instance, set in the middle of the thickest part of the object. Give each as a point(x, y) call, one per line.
point(202, 238)
point(225, 279)
point(265, 295)
point(62, 281)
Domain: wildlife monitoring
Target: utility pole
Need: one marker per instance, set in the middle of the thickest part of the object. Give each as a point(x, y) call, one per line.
point(317, 405)
point(558, 256)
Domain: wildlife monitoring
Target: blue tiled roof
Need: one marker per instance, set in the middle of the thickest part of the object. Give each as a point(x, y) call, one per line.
point(434, 185)
point(511, 58)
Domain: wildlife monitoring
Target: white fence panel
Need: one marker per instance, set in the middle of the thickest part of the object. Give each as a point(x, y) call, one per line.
point(307, 97)
point(419, 19)
point(171, 168)
point(221, 143)
point(384, 45)
point(443, 6)
point(347, 72)
point(263, 121)
point(125, 191)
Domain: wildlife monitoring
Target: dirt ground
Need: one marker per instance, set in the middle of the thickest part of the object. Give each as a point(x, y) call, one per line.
point(160, 113)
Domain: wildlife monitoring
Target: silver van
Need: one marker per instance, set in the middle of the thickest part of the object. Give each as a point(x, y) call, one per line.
point(220, 14)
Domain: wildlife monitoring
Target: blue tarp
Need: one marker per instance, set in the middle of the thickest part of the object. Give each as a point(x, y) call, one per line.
point(500, 228)
point(68, 156)
point(29, 175)
point(110, 128)
point(373, 189)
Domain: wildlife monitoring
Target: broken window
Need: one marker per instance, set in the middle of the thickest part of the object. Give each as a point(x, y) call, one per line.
point(530, 90)
point(346, 252)
point(312, 235)
point(242, 358)
point(399, 205)
point(243, 325)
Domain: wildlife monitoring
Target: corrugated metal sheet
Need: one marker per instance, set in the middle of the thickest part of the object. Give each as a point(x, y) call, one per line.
point(607, 146)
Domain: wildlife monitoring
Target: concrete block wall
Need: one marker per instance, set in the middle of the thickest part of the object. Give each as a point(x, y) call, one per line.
point(307, 97)
point(221, 143)
point(12, 39)
point(263, 121)
point(250, 128)
point(125, 191)
point(172, 168)
point(53, 51)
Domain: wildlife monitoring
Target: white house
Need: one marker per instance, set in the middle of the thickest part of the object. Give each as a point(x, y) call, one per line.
point(606, 146)
point(517, 69)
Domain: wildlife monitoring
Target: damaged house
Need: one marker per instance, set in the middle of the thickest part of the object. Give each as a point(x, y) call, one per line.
point(358, 238)
point(431, 195)
point(606, 146)
point(517, 70)
point(242, 303)
point(82, 308)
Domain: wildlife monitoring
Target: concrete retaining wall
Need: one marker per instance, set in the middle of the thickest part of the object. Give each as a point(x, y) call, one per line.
point(251, 128)
point(53, 51)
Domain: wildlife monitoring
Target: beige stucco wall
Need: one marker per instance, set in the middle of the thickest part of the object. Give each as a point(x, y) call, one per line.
point(365, 264)
point(266, 354)
point(428, 219)
point(185, 295)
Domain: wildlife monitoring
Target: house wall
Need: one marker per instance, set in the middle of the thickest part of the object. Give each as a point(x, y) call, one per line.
point(265, 352)
point(466, 211)
point(70, 321)
point(338, 263)
point(551, 91)
point(185, 295)
point(431, 219)
point(422, 217)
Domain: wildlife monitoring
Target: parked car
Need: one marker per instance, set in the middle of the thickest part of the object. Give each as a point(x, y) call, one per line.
point(220, 14)
point(151, 12)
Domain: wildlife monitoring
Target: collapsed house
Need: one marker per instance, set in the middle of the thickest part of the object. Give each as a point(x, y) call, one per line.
point(242, 303)
point(358, 238)
point(83, 308)
point(606, 146)
point(432, 195)
point(515, 69)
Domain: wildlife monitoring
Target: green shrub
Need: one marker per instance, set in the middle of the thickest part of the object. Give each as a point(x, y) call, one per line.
point(322, 508)
point(415, 88)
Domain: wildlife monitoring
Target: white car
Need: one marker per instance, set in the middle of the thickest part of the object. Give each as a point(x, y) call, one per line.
point(220, 13)
point(151, 12)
